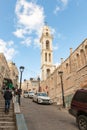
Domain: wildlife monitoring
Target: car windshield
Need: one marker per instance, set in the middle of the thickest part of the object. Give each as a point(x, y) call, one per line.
point(42, 94)
point(25, 92)
point(31, 92)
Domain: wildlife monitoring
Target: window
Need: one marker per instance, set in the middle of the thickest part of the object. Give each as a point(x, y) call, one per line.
point(48, 72)
point(47, 44)
point(49, 57)
point(83, 58)
point(45, 56)
point(46, 33)
point(81, 97)
point(78, 60)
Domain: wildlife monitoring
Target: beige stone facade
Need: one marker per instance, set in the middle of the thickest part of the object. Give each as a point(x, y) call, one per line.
point(14, 74)
point(7, 71)
point(4, 69)
point(30, 85)
point(74, 70)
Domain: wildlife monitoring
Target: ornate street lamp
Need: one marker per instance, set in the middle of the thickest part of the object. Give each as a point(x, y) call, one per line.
point(21, 71)
point(38, 83)
point(20, 90)
point(61, 75)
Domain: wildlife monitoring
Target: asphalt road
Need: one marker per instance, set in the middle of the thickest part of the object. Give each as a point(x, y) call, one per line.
point(46, 117)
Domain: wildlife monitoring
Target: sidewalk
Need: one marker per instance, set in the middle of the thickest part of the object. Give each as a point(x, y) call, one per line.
point(20, 121)
point(59, 107)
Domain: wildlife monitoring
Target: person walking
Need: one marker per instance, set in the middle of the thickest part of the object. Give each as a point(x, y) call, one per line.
point(7, 97)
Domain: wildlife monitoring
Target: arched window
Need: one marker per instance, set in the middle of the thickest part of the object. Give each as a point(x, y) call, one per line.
point(46, 33)
point(47, 45)
point(86, 49)
point(45, 56)
point(48, 72)
point(49, 57)
point(86, 52)
point(83, 58)
point(78, 60)
point(67, 67)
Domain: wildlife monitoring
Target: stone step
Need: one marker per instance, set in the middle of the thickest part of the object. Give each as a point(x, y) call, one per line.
point(5, 115)
point(7, 118)
point(7, 123)
point(2, 106)
point(7, 127)
point(10, 110)
point(2, 110)
point(3, 103)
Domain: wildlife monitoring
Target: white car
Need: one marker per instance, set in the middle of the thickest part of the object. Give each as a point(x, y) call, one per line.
point(30, 94)
point(25, 94)
point(42, 98)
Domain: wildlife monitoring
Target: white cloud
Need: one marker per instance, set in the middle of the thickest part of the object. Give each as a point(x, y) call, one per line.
point(61, 5)
point(37, 42)
point(19, 33)
point(55, 47)
point(7, 49)
point(27, 41)
point(57, 9)
point(65, 2)
point(30, 18)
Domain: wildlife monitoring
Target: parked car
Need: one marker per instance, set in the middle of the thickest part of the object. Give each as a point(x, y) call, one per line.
point(42, 98)
point(25, 94)
point(30, 94)
point(79, 108)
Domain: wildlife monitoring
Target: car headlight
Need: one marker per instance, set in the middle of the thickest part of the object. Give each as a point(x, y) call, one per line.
point(51, 101)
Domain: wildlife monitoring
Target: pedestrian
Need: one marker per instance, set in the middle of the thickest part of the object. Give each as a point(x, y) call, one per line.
point(7, 97)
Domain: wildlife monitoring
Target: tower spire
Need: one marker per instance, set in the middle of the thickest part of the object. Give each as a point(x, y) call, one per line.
point(46, 52)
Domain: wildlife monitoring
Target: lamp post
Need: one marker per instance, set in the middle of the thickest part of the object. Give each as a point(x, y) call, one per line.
point(19, 90)
point(38, 83)
point(61, 75)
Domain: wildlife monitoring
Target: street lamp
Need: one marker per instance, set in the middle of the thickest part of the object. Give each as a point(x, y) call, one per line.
point(38, 83)
point(20, 90)
point(61, 75)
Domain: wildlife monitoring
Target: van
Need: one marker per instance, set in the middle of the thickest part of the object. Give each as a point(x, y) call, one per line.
point(78, 108)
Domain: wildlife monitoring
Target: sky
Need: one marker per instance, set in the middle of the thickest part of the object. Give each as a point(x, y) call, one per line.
point(21, 23)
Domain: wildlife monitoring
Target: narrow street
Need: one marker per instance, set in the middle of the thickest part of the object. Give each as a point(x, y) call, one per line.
point(48, 117)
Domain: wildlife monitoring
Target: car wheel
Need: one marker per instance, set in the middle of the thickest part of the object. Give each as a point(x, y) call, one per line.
point(82, 122)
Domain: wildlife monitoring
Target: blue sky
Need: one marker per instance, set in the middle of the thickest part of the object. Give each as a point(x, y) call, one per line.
point(20, 30)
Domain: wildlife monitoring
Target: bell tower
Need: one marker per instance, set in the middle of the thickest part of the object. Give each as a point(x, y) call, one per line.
point(46, 53)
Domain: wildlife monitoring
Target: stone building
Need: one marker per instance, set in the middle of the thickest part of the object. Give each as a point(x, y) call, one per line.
point(14, 74)
point(30, 85)
point(4, 69)
point(8, 71)
point(74, 76)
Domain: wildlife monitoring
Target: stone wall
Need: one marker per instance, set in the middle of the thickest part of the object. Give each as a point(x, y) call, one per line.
point(74, 70)
point(4, 69)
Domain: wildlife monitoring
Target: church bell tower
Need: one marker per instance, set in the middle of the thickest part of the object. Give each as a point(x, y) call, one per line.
point(46, 53)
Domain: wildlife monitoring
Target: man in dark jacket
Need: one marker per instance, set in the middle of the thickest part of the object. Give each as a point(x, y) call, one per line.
point(7, 97)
